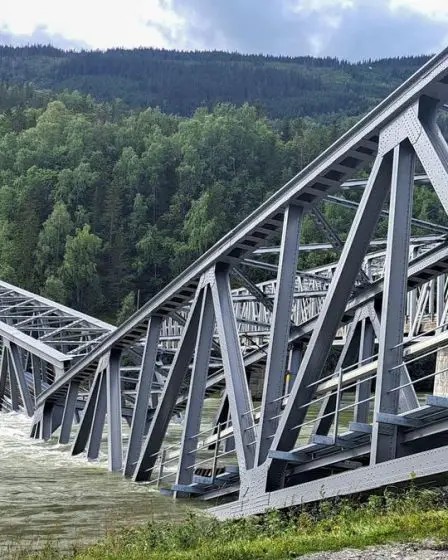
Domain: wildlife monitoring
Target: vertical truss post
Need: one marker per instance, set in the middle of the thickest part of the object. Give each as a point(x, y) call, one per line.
point(295, 358)
point(3, 376)
point(390, 353)
point(440, 305)
point(280, 325)
point(145, 380)
point(37, 375)
point(19, 373)
point(240, 402)
point(114, 411)
point(14, 389)
point(47, 421)
point(364, 388)
point(69, 412)
point(173, 383)
point(82, 436)
point(99, 417)
point(192, 421)
point(330, 316)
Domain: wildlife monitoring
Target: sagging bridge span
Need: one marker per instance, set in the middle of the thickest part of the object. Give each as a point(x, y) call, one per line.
point(336, 348)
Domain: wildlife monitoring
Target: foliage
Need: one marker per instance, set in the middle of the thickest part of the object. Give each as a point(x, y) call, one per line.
point(97, 204)
point(179, 82)
point(329, 525)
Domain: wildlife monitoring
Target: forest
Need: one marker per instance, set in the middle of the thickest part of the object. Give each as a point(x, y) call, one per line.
point(102, 204)
point(179, 82)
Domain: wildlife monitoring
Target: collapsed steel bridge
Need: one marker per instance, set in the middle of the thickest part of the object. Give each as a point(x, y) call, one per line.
point(337, 348)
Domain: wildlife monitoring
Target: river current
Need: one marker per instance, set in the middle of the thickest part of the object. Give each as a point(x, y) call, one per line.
point(46, 494)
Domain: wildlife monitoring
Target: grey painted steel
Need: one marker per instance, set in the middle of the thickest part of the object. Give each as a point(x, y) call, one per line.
point(253, 337)
point(69, 412)
point(240, 402)
point(113, 384)
point(18, 372)
point(420, 467)
point(192, 421)
point(390, 354)
point(347, 357)
point(99, 417)
point(300, 188)
point(162, 415)
point(83, 433)
point(330, 316)
point(143, 394)
point(278, 343)
point(364, 388)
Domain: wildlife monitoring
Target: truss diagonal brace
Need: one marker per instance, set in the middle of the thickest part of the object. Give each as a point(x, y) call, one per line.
point(333, 309)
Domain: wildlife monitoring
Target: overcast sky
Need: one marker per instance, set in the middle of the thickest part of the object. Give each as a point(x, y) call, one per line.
point(352, 29)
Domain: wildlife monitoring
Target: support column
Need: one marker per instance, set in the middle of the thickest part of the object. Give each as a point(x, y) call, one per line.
point(332, 310)
point(192, 420)
point(167, 402)
point(240, 402)
point(145, 380)
point(17, 370)
point(390, 354)
point(295, 359)
point(280, 325)
point(114, 412)
point(69, 412)
point(82, 437)
point(37, 375)
point(99, 418)
point(441, 380)
point(364, 388)
point(3, 376)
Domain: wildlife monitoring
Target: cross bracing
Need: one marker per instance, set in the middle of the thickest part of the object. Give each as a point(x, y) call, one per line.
point(330, 422)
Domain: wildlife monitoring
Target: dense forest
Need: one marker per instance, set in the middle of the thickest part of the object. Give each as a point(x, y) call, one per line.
point(180, 82)
point(102, 204)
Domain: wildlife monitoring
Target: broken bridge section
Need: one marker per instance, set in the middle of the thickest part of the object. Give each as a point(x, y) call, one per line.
point(342, 349)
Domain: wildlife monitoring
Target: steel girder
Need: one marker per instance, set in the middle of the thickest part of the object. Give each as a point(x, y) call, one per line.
point(279, 462)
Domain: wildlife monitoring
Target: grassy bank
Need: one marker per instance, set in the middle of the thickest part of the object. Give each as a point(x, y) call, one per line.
point(331, 525)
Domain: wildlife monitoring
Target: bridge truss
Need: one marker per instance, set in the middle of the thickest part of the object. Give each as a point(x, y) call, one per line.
point(330, 422)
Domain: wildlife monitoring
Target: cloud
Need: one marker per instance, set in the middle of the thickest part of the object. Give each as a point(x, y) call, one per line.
point(351, 29)
point(40, 36)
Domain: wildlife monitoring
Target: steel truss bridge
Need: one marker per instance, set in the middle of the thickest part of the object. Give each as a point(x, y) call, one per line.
point(337, 348)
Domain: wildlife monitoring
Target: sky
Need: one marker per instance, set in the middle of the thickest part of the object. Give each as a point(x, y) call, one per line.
point(349, 29)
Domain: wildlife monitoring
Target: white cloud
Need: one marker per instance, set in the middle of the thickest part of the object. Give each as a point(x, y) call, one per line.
point(100, 23)
point(276, 26)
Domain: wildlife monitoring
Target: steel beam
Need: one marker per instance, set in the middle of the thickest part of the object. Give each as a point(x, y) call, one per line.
point(99, 417)
point(69, 412)
point(192, 420)
point(163, 413)
point(145, 381)
point(114, 435)
point(274, 379)
point(332, 311)
point(240, 402)
point(390, 352)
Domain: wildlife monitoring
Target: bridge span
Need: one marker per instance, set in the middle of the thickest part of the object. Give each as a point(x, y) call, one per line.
point(343, 350)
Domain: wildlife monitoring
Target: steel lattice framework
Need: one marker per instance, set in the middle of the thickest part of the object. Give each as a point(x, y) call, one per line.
point(329, 422)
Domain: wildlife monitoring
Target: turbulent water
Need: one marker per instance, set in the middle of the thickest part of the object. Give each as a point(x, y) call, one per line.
point(45, 493)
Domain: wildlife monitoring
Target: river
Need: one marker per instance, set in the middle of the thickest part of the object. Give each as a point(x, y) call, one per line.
point(45, 493)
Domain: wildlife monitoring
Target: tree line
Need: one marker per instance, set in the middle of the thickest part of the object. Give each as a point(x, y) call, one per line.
point(101, 206)
point(179, 82)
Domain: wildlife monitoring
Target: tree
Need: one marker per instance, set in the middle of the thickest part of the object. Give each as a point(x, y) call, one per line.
point(52, 240)
point(79, 270)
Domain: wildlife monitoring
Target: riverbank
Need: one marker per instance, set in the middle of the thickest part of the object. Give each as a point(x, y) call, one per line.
point(404, 517)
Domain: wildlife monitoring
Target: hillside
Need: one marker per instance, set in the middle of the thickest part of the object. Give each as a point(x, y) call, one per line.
point(179, 82)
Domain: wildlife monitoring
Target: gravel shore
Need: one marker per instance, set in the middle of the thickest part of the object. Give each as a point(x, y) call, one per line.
point(424, 551)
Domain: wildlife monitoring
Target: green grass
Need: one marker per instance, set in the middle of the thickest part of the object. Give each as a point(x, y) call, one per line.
point(331, 525)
